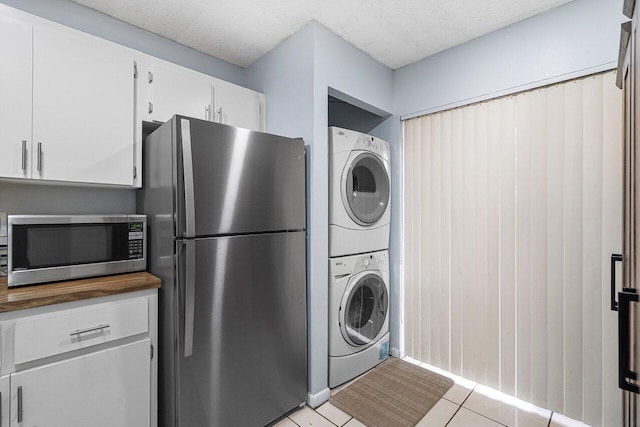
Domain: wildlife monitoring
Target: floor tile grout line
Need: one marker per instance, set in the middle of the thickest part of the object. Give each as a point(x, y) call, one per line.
point(476, 412)
point(469, 395)
point(453, 416)
point(486, 416)
point(460, 405)
point(294, 421)
point(328, 418)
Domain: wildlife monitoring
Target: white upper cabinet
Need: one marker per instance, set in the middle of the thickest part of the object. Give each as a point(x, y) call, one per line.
point(15, 98)
point(237, 106)
point(71, 106)
point(177, 93)
point(175, 90)
point(83, 108)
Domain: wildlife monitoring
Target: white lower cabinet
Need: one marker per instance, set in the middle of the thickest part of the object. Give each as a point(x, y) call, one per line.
point(102, 389)
point(5, 399)
point(82, 363)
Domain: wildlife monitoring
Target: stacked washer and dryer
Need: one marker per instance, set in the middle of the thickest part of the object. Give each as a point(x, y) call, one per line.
point(359, 221)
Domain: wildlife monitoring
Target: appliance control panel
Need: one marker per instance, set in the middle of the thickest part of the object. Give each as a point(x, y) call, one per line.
point(136, 240)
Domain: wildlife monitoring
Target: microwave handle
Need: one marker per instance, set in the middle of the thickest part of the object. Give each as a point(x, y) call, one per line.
point(187, 170)
point(189, 295)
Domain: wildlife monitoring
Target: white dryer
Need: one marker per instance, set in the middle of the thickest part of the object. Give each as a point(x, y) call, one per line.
point(359, 193)
point(358, 314)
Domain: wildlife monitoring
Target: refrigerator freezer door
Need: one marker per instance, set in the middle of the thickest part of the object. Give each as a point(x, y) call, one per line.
point(234, 181)
point(248, 363)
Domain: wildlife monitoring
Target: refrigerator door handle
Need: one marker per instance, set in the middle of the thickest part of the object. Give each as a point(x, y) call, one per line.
point(614, 258)
point(187, 170)
point(189, 296)
point(625, 373)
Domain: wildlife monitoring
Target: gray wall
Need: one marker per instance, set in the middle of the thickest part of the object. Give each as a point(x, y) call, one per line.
point(285, 76)
point(24, 198)
point(346, 115)
point(575, 39)
point(297, 78)
point(342, 70)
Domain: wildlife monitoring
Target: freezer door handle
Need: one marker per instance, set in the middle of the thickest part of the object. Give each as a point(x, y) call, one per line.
point(189, 296)
point(625, 374)
point(187, 170)
point(614, 258)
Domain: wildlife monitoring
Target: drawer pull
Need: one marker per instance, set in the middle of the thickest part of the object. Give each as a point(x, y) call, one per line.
point(84, 331)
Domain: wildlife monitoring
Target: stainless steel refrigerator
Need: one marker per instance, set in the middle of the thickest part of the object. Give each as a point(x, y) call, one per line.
point(227, 217)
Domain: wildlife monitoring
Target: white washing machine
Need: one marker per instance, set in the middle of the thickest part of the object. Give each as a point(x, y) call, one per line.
point(359, 193)
point(358, 314)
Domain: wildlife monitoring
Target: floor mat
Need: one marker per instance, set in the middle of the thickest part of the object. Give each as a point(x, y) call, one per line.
point(393, 394)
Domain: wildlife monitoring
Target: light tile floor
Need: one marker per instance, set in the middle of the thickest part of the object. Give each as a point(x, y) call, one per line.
point(466, 404)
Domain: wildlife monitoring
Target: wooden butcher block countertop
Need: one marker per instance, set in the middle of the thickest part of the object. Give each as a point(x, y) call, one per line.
point(31, 296)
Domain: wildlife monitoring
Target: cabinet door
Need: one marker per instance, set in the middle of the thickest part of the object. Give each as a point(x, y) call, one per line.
point(5, 400)
point(108, 388)
point(15, 98)
point(237, 106)
point(83, 108)
point(176, 93)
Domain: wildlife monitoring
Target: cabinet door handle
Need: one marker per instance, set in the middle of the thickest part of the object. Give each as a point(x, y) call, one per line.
point(24, 155)
point(39, 162)
point(19, 404)
point(95, 328)
point(220, 115)
point(207, 112)
point(625, 374)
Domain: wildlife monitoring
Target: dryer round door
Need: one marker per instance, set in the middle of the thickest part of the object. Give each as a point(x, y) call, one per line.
point(363, 309)
point(366, 189)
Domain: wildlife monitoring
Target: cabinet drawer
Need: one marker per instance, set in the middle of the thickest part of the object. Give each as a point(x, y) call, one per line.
point(50, 334)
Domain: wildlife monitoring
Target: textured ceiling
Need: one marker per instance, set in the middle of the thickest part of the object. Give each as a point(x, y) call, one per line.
point(395, 33)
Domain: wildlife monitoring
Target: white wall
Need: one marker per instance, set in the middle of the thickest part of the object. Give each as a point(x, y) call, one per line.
point(572, 40)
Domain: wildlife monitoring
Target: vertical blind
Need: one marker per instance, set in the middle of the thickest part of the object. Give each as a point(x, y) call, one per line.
point(512, 210)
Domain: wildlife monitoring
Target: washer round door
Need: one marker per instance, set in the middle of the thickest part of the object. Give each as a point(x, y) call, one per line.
point(363, 309)
point(366, 189)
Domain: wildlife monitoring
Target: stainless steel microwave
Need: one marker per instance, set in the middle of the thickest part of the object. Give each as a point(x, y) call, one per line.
point(48, 248)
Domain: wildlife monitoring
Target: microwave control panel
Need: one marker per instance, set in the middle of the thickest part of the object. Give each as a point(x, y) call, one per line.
point(136, 240)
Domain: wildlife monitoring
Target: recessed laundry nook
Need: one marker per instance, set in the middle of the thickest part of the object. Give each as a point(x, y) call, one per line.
point(295, 214)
